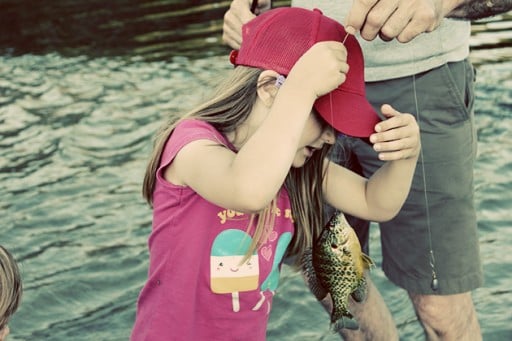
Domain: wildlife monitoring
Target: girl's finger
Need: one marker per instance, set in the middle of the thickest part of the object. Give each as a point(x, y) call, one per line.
point(392, 133)
point(403, 123)
point(388, 111)
point(396, 155)
point(396, 145)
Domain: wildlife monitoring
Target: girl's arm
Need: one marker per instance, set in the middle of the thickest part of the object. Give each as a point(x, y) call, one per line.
point(380, 197)
point(248, 180)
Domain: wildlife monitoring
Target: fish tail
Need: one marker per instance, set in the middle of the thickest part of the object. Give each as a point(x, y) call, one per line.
point(345, 322)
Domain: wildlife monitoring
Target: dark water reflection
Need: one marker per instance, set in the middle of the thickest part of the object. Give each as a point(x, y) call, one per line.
point(75, 136)
point(150, 29)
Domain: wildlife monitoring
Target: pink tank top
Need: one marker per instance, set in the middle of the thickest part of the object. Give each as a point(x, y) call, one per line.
point(196, 287)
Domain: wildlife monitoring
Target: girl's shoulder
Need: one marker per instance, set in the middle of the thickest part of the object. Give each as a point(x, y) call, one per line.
point(194, 123)
point(187, 131)
point(194, 129)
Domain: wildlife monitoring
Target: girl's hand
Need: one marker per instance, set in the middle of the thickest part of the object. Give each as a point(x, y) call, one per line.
point(398, 137)
point(322, 68)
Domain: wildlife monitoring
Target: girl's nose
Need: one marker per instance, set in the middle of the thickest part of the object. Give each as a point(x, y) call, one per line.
point(328, 135)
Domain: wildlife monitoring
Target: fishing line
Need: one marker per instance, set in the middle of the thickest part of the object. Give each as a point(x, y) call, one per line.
point(432, 261)
point(330, 94)
point(434, 284)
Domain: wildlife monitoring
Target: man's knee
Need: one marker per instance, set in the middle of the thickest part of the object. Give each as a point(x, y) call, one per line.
point(446, 314)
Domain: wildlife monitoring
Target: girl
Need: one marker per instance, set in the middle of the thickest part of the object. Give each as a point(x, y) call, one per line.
point(10, 290)
point(240, 182)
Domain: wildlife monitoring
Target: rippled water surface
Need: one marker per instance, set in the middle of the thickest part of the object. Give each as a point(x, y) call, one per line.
point(75, 136)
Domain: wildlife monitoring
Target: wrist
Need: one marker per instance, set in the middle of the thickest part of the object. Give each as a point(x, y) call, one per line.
point(449, 5)
point(297, 85)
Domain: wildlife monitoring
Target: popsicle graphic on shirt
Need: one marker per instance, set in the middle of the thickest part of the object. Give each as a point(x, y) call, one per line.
point(272, 280)
point(227, 273)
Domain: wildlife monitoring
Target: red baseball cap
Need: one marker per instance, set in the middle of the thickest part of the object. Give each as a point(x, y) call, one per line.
point(277, 38)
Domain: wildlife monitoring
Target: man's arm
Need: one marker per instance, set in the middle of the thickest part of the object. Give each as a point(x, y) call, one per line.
point(405, 19)
point(478, 9)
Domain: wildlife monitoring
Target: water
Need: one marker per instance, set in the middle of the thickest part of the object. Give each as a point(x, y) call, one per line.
point(75, 136)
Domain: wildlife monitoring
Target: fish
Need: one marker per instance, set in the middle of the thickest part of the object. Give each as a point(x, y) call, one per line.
point(335, 265)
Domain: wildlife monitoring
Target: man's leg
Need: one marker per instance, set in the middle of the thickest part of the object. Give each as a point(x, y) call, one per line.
point(372, 315)
point(450, 317)
point(435, 234)
point(374, 318)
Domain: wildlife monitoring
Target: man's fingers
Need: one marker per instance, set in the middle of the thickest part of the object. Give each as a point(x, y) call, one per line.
point(238, 14)
point(357, 15)
point(425, 21)
point(405, 25)
point(395, 24)
point(409, 33)
point(370, 16)
point(242, 9)
point(231, 37)
point(390, 19)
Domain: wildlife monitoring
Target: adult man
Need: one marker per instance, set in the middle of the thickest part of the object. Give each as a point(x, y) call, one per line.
point(431, 248)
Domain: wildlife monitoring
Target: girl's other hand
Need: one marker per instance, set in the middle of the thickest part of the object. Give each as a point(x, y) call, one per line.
point(322, 68)
point(398, 137)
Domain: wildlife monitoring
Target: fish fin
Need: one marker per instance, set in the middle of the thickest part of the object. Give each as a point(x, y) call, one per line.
point(368, 263)
point(345, 322)
point(359, 294)
point(310, 274)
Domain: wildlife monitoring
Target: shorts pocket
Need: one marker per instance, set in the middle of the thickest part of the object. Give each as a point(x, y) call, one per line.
point(458, 78)
point(445, 96)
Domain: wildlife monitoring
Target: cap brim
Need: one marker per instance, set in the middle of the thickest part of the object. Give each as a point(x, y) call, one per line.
point(349, 113)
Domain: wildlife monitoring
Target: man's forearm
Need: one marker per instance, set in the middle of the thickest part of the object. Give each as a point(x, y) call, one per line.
point(477, 9)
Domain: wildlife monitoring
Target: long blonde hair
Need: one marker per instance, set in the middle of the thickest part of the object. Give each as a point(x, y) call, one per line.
point(229, 106)
point(10, 286)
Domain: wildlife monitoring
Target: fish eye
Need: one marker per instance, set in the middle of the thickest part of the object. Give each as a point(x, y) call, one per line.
point(334, 246)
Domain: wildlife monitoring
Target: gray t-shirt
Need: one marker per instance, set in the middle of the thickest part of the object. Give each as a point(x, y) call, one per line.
point(388, 60)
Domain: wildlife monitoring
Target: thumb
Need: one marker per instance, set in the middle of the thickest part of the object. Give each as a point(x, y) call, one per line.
point(388, 111)
point(246, 10)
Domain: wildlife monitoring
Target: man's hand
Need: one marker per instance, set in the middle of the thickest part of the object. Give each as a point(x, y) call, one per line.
point(400, 19)
point(238, 14)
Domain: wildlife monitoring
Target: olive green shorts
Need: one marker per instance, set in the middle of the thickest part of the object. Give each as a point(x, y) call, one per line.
point(436, 230)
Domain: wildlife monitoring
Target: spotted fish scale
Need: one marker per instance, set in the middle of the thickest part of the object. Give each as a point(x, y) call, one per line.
point(336, 266)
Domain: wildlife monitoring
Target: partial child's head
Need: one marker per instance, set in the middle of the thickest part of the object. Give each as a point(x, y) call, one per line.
point(10, 290)
point(276, 39)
